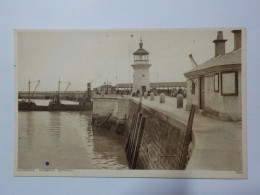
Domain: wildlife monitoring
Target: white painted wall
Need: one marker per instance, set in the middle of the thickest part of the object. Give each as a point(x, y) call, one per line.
point(118, 107)
point(141, 76)
point(227, 106)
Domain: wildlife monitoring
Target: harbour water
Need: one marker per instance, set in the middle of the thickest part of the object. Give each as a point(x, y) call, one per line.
point(66, 140)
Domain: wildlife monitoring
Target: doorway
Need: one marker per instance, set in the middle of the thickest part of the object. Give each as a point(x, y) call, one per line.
point(143, 89)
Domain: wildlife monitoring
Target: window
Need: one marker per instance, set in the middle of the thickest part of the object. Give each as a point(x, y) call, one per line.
point(216, 82)
point(229, 83)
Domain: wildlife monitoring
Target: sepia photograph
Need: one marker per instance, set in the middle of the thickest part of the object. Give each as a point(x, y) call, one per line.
point(167, 103)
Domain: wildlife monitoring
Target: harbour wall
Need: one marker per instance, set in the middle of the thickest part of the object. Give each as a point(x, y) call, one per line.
point(161, 142)
point(119, 107)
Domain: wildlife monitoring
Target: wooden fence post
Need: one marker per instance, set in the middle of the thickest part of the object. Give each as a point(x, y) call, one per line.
point(187, 139)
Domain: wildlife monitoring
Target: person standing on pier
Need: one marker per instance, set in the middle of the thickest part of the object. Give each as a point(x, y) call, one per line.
point(137, 92)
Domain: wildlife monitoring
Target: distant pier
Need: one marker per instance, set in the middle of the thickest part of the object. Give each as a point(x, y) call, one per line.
point(69, 95)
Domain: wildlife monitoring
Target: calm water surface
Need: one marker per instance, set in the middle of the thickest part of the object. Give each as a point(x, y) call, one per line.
point(67, 140)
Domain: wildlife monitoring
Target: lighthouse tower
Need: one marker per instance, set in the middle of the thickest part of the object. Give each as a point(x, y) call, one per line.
point(141, 69)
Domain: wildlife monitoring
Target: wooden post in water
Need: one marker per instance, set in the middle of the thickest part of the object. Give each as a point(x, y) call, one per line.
point(187, 139)
point(135, 133)
point(131, 135)
point(134, 117)
point(134, 123)
point(129, 141)
point(138, 143)
point(134, 136)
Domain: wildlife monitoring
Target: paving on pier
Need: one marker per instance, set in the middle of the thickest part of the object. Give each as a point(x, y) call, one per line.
point(217, 144)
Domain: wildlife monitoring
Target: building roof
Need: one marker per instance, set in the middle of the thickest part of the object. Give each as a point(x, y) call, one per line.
point(106, 86)
point(124, 85)
point(168, 84)
point(230, 58)
point(141, 50)
point(154, 85)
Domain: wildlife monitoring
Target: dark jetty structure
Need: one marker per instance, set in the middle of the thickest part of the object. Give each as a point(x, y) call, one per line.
point(55, 104)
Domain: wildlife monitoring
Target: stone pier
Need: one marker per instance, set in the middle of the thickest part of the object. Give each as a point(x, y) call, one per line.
point(216, 145)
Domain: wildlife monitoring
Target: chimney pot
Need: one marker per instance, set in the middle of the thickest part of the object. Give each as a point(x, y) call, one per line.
point(220, 35)
point(219, 44)
point(237, 39)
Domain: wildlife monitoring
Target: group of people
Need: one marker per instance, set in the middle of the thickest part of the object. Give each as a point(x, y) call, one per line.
point(174, 92)
point(117, 92)
point(138, 93)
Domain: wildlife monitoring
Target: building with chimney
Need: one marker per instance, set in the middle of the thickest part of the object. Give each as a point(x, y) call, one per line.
point(215, 86)
point(141, 69)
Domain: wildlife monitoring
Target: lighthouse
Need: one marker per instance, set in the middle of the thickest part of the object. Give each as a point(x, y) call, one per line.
point(141, 69)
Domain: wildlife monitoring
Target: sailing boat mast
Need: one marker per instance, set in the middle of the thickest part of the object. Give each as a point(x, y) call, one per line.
point(29, 85)
point(66, 87)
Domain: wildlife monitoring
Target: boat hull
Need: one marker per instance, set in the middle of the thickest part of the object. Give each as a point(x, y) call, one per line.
point(62, 107)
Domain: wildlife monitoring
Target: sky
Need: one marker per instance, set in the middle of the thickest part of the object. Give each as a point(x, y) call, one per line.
point(98, 56)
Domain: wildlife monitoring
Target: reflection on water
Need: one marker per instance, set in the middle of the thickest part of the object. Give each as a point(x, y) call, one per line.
point(54, 126)
point(67, 140)
point(29, 130)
